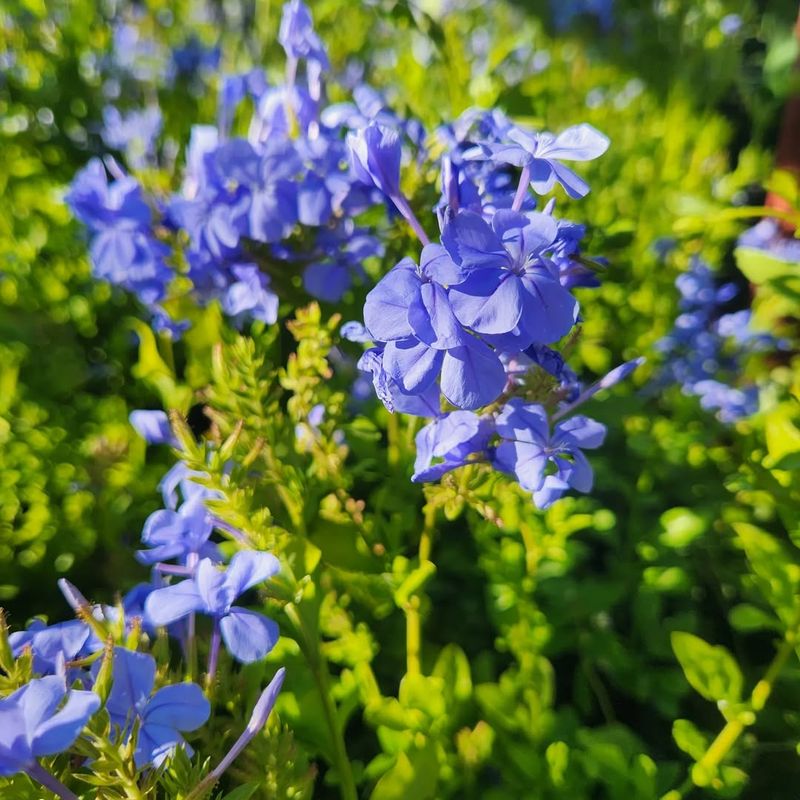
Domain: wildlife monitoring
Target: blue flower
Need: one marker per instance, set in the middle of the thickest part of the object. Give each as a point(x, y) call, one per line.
point(153, 426)
point(297, 35)
point(426, 404)
point(565, 11)
point(248, 295)
point(178, 534)
point(34, 723)
point(181, 477)
point(453, 438)
point(528, 448)
point(375, 154)
point(511, 286)
point(410, 310)
point(123, 249)
point(767, 236)
point(52, 646)
point(248, 636)
point(542, 153)
point(161, 716)
point(134, 133)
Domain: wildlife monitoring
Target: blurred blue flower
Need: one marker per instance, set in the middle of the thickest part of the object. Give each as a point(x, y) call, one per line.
point(153, 426)
point(541, 154)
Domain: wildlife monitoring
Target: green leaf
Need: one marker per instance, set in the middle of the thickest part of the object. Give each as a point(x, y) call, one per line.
point(710, 669)
point(452, 667)
point(689, 738)
point(777, 576)
point(760, 267)
point(748, 618)
point(783, 438)
point(243, 792)
point(681, 527)
point(414, 775)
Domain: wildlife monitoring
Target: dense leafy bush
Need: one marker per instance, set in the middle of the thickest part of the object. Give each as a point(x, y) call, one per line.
point(439, 640)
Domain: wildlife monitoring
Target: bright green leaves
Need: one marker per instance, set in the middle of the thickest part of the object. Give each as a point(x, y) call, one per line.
point(681, 527)
point(154, 371)
point(776, 574)
point(782, 438)
point(711, 670)
point(413, 775)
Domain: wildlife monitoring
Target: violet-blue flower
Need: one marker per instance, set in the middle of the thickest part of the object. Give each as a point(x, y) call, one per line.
point(153, 426)
point(34, 723)
point(297, 35)
point(410, 310)
point(161, 716)
point(248, 635)
point(178, 534)
point(541, 154)
point(511, 286)
point(52, 646)
point(528, 447)
point(453, 438)
point(375, 153)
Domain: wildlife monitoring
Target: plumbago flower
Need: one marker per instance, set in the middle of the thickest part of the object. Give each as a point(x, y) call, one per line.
point(142, 723)
point(251, 208)
point(704, 350)
point(159, 717)
point(248, 635)
point(477, 321)
point(42, 719)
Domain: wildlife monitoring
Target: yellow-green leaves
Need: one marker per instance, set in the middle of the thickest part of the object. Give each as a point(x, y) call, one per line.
point(710, 669)
point(776, 574)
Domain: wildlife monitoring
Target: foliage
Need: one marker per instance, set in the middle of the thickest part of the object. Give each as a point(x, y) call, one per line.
point(449, 641)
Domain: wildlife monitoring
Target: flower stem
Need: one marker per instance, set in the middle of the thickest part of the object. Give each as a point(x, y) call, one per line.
point(309, 644)
point(522, 188)
point(42, 776)
point(213, 653)
point(405, 209)
point(412, 610)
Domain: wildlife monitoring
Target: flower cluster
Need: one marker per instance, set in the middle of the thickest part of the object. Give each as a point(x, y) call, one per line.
point(704, 350)
point(98, 650)
point(472, 322)
point(252, 210)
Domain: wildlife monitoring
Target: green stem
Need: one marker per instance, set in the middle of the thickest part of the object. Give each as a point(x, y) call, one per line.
point(412, 609)
point(309, 644)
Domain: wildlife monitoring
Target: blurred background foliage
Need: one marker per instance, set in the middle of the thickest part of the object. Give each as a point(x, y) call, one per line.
point(565, 677)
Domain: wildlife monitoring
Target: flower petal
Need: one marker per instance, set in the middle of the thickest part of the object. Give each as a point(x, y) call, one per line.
point(57, 733)
point(412, 364)
point(490, 301)
point(386, 306)
point(249, 568)
point(182, 706)
point(577, 143)
point(168, 605)
point(471, 243)
point(247, 635)
point(550, 310)
point(472, 375)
